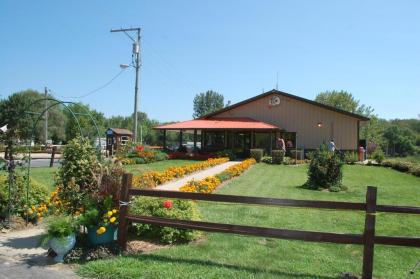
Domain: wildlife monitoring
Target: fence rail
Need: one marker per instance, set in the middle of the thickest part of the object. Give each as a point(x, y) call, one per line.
point(368, 239)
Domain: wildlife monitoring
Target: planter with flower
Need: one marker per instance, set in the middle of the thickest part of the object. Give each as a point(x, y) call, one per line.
point(101, 220)
point(60, 235)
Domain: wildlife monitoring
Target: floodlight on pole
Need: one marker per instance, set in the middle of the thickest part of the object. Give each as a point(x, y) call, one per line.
point(136, 65)
point(124, 66)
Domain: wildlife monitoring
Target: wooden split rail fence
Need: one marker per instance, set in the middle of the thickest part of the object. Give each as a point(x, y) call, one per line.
point(368, 239)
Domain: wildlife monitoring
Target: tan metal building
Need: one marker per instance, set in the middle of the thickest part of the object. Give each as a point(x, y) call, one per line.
point(302, 123)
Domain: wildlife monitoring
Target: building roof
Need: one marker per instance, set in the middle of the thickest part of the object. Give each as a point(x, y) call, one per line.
point(120, 131)
point(219, 123)
point(354, 115)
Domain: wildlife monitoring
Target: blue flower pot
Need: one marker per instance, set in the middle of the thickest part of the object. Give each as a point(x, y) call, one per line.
point(107, 237)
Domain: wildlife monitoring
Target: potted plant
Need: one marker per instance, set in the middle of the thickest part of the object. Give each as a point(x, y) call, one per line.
point(60, 235)
point(101, 221)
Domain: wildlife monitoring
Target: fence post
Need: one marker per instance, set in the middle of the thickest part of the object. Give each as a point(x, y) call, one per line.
point(124, 199)
point(54, 149)
point(369, 233)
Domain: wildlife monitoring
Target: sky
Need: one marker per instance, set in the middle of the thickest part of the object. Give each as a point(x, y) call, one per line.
point(237, 48)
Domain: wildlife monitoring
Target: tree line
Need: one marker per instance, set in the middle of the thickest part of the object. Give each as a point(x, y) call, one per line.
point(21, 109)
point(395, 137)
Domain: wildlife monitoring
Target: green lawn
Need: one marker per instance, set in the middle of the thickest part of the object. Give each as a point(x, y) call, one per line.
point(233, 256)
point(46, 175)
point(157, 166)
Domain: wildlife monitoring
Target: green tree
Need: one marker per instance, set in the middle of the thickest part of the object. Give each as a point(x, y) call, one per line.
point(13, 111)
point(399, 140)
point(86, 124)
point(345, 101)
point(205, 103)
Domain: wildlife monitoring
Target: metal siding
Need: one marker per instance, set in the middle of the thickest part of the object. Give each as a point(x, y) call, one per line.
point(297, 116)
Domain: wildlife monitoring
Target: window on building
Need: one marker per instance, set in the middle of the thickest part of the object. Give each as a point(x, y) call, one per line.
point(262, 140)
point(124, 140)
point(214, 140)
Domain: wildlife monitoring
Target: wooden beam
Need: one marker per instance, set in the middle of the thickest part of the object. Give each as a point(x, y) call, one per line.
point(195, 139)
point(369, 233)
point(248, 200)
point(124, 198)
point(247, 230)
point(164, 139)
point(180, 138)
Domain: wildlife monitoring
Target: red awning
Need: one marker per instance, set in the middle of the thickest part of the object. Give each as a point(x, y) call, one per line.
point(219, 123)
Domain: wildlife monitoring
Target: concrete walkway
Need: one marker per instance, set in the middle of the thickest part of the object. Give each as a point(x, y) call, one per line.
point(175, 185)
point(20, 257)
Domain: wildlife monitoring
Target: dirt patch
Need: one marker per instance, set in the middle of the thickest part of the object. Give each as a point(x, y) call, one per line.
point(140, 246)
point(16, 224)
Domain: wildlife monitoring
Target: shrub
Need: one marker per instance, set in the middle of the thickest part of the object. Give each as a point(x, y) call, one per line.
point(59, 226)
point(350, 157)
point(403, 166)
point(257, 154)
point(78, 174)
point(38, 195)
point(174, 209)
point(161, 156)
point(278, 156)
point(378, 155)
point(287, 161)
point(267, 159)
point(325, 171)
point(227, 153)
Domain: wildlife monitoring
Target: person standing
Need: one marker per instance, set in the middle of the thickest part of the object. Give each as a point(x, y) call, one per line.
point(331, 146)
point(281, 144)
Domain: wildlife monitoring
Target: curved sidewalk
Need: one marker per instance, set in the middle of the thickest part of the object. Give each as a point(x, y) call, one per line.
point(175, 185)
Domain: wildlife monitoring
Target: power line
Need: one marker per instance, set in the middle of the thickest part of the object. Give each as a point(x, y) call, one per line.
point(93, 91)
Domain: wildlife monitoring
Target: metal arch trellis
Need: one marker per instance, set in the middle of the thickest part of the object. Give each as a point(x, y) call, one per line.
point(40, 116)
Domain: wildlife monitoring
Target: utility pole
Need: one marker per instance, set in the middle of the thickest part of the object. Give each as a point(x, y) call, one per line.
point(46, 115)
point(136, 64)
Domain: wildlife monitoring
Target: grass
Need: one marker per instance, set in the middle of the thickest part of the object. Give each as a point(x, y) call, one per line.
point(233, 256)
point(156, 166)
point(45, 175)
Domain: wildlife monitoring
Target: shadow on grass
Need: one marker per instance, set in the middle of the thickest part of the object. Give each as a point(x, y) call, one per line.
point(207, 263)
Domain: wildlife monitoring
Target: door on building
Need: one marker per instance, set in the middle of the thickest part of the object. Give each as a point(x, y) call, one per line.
point(242, 144)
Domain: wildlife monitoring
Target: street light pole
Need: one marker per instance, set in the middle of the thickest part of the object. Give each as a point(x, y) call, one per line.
point(137, 64)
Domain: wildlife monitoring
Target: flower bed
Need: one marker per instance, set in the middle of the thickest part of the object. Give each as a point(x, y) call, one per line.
point(209, 184)
point(139, 155)
point(192, 156)
point(154, 178)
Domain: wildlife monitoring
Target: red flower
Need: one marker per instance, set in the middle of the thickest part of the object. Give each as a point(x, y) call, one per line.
point(167, 204)
point(139, 148)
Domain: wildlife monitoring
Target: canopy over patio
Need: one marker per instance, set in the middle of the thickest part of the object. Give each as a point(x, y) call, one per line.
point(219, 124)
point(239, 134)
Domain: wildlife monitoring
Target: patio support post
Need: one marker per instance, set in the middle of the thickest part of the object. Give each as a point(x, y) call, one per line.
point(271, 142)
point(252, 139)
point(164, 140)
point(180, 138)
point(203, 136)
point(195, 140)
point(226, 139)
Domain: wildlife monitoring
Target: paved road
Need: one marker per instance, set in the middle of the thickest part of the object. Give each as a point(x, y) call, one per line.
point(20, 257)
point(38, 163)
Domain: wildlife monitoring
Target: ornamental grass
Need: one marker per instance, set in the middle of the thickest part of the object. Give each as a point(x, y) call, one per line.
point(209, 184)
point(154, 178)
